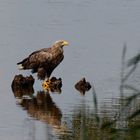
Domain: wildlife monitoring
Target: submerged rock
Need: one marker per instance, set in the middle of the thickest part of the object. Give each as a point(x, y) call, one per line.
point(53, 84)
point(82, 86)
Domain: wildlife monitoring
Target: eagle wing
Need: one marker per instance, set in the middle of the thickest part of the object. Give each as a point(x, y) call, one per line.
point(36, 59)
point(41, 56)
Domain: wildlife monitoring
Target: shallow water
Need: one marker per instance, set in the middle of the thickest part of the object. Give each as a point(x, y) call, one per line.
point(96, 30)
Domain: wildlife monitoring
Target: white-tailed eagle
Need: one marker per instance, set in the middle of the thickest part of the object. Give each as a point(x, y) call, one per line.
point(45, 60)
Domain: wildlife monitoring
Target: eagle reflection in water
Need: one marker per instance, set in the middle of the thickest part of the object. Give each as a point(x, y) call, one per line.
point(41, 107)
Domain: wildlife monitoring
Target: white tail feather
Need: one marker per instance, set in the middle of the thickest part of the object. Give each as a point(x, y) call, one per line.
point(20, 67)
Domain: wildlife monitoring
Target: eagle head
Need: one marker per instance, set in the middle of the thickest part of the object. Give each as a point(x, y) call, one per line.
point(61, 43)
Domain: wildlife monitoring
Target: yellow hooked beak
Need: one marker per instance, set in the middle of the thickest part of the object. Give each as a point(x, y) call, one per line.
point(65, 43)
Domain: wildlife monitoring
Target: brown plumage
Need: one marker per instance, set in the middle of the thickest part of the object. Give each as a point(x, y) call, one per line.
point(44, 61)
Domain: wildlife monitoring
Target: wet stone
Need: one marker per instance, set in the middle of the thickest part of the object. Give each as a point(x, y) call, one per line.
point(22, 85)
point(82, 86)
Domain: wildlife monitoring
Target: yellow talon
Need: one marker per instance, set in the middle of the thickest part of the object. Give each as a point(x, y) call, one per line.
point(46, 84)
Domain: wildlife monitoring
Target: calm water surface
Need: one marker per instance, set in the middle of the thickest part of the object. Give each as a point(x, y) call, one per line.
point(96, 31)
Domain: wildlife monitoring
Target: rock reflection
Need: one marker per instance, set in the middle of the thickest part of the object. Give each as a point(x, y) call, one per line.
point(43, 108)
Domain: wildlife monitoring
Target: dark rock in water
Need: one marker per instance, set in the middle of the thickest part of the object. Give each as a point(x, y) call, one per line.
point(82, 86)
point(53, 85)
point(22, 85)
point(23, 82)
